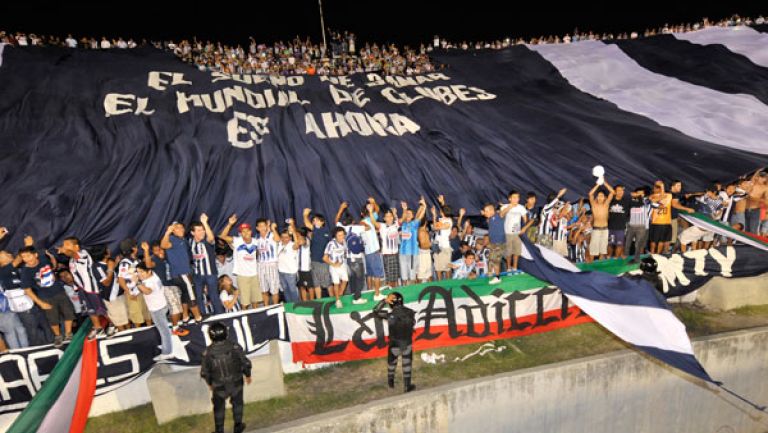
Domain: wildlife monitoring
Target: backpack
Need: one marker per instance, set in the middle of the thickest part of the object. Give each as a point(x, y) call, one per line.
point(355, 243)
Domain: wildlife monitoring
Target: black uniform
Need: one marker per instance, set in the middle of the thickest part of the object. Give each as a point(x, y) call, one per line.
point(223, 367)
point(401, 321)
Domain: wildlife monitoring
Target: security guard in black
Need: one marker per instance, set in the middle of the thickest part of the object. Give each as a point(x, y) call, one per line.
point(223, 368)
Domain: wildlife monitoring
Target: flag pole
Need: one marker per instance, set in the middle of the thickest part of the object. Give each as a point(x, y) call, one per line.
point(322, 23)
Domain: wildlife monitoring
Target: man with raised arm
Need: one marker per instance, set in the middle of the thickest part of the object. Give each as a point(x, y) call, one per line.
point(319, 238)
point(246, 256)
point(205, 275)
point(410, 257)
point(179, 261)
point(600, 204)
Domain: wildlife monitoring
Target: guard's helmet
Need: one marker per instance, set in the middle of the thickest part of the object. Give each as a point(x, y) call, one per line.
point(217, 332)
point(398, 299)
point(649, 266)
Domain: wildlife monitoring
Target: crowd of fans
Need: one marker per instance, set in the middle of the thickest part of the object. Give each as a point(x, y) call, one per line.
point(578, 35)
point(341, 56)
point(191, 271)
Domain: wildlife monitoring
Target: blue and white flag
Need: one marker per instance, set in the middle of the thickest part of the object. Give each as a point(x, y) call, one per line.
point(632, 309)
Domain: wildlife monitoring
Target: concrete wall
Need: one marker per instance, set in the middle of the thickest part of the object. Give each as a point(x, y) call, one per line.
point(182, 392)
point(620, 392)
point(726, 293)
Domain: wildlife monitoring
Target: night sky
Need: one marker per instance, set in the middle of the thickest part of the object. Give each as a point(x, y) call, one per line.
point(403, 22)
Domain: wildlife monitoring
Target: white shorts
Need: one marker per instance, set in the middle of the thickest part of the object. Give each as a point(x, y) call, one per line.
point(339, 274)
point(425, 265)
point(694, 234)
point(598, 244)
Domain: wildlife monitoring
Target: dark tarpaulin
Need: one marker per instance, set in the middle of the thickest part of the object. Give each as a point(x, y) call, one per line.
point(67, 169)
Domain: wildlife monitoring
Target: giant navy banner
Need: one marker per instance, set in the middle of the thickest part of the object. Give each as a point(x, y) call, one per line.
point(115, 143)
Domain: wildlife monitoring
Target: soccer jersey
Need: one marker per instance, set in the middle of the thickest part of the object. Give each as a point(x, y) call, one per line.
point(409, 242)
point(710, 206)
point(267, 248)
point(245, 256)
point(545, 225)
point(81, 268)
point(737, 196)
point(561, 232)
point(336, 252)
point(41, 279)
point(481, 260)
point(107, 292)
point(126, 270)
point(463, 270)
point(662, 214)
point(390, 238)
point(203, 257)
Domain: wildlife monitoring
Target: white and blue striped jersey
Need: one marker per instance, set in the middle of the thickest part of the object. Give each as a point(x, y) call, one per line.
point(267, 247)
point(336, 252)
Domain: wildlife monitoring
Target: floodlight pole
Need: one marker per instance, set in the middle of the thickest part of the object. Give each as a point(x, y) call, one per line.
point(322, 23)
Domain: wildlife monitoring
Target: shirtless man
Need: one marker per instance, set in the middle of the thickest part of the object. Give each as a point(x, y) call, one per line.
point(758, 195)
point(739, 207)
point(424, 273)
point(598, 245)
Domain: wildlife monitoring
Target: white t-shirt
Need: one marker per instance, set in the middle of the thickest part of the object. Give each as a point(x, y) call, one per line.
point(156, 299)
point(287, 258)
point(443, 235)
point(390, 238)
point(305, 258)
point(513, 220)
point(226, 297)
point(227, 268)
point(245, 256)
point(18, 300)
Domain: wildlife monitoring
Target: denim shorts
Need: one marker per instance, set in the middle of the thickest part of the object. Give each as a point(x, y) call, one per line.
point(374, 265)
